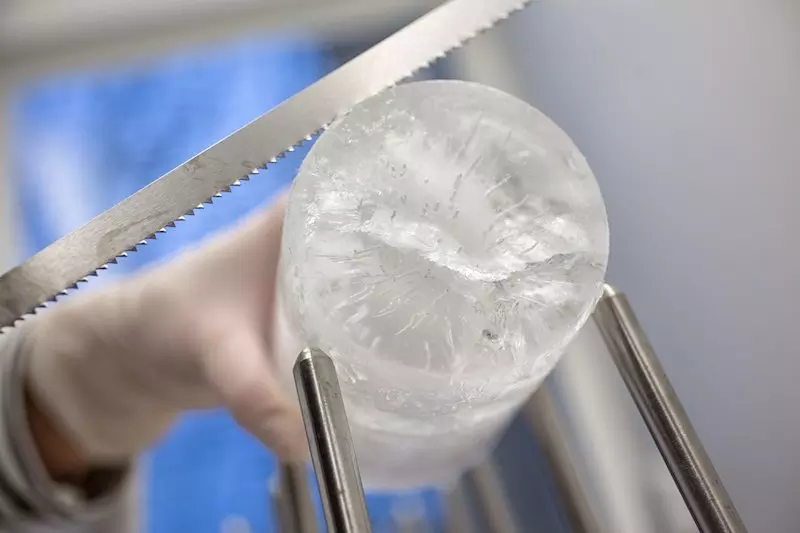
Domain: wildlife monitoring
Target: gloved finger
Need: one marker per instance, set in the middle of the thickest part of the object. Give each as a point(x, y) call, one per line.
point(238, 366)
point(258, 238)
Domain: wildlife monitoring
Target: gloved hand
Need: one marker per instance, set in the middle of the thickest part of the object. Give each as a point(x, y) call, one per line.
point(114, 367)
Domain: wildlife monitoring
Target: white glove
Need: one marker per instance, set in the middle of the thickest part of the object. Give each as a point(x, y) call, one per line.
point(114, 367)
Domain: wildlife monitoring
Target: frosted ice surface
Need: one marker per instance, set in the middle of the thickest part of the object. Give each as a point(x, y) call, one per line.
point(443, 243)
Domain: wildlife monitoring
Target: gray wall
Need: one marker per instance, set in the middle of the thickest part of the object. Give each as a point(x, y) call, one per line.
point(688, 113)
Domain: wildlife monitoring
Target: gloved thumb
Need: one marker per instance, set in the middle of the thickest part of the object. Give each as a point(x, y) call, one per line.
point(240, 369)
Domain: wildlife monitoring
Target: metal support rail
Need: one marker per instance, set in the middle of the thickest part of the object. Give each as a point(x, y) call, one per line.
point(342, 494)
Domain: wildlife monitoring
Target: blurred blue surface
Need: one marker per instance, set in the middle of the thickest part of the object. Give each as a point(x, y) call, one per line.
point(84, 141)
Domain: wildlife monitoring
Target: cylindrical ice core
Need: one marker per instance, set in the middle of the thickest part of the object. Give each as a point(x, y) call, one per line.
point(443, 242)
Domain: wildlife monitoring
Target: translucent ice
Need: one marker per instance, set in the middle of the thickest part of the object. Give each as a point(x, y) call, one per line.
point(444, 241)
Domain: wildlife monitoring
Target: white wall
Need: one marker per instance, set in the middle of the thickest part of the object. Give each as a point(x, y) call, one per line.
point(689, 114)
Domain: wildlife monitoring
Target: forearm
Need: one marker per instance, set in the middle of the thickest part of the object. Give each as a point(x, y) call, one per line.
point(45, 484)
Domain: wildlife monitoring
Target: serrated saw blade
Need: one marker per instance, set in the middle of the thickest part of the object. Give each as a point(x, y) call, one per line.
point(65, 263)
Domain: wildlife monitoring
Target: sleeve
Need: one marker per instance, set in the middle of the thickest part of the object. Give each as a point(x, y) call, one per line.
point(30, 501)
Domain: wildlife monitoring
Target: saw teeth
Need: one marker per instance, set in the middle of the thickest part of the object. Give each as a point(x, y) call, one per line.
point(238, 183)
point(170, 225)
point(181, 219)
point(273, 160)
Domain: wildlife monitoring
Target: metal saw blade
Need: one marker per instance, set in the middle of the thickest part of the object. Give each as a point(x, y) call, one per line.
point(68, 261)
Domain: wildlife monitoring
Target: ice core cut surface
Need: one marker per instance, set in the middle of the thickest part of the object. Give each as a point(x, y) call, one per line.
point(444, 241)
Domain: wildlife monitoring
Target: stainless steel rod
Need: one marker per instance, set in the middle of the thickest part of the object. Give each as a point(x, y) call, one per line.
point(330, 443)
point(293, 503)
point(698, 482)
point(543, 417)
point(491, 495)
point(459, 518)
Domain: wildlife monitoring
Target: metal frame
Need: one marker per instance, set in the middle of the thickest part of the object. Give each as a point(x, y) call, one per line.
point(705, 496)
point(697, 480)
